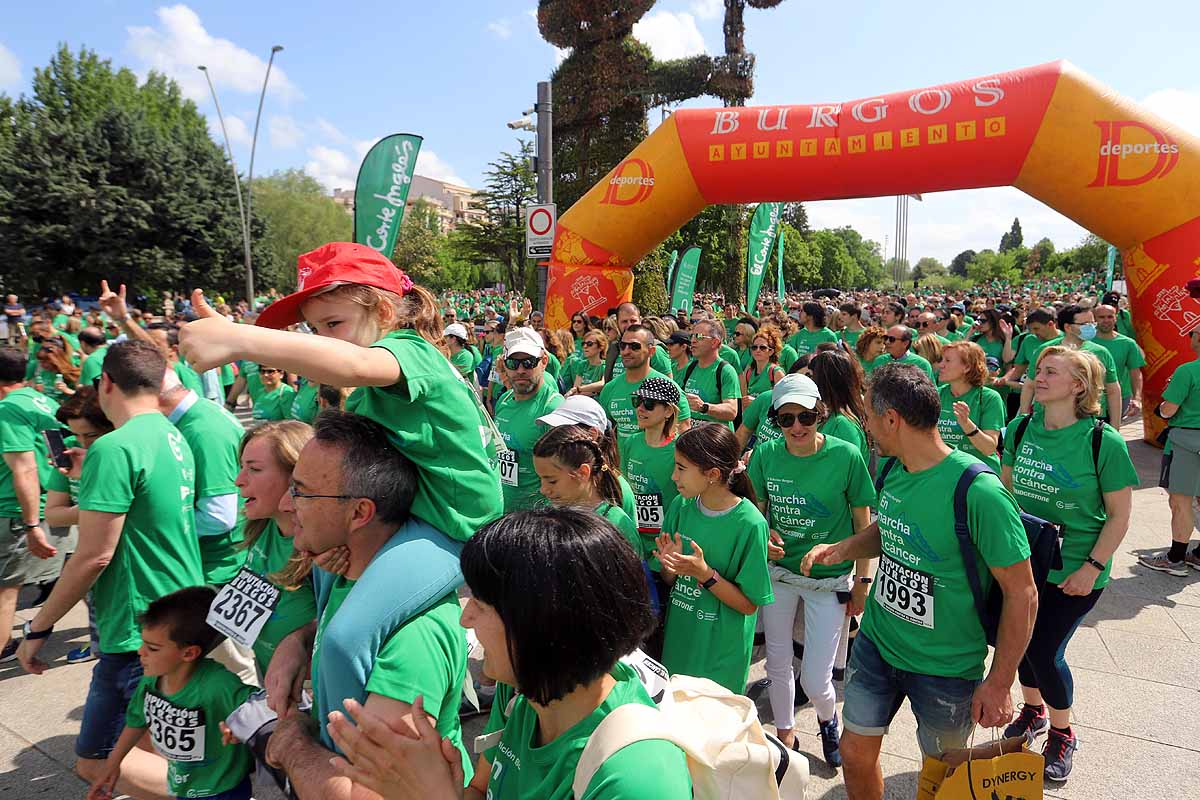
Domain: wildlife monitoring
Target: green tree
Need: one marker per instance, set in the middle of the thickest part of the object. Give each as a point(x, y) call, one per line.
point(1013, 239)
point(960, 263)
point(509, 186)
point(299, 217)
point(801, 261)
point(990, 266)
point(419, 246)
point(928, 267)
point(897, 271)
point(838, 268)
point(866, 254)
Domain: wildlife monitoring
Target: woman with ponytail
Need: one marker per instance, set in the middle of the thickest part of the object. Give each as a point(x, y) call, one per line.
point(713, 552)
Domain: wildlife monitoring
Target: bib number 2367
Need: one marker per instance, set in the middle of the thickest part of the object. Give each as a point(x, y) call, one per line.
point(905, 592)
point(243, 606)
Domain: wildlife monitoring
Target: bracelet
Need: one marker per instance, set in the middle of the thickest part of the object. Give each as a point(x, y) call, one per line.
point(864, 579)
point(712, 579)
point(1098, 565)
point(28, 526)
point(28, 632)
point(972, 433)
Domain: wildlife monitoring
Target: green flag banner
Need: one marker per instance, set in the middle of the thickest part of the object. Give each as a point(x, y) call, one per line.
point(1109, 263)
point(671, 268)
point(685, 281)
point(779, 284)
point(382, 190)
point(764, 227)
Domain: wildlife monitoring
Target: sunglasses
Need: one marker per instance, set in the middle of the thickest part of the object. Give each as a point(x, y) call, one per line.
point(699, 337)
point(634, 346)
point(522, 363)
point(268, 371)
point(805, 418)
point(925, 324)
point(760, 347)
point(591, 344)
point(647, 403)
point(890, 339)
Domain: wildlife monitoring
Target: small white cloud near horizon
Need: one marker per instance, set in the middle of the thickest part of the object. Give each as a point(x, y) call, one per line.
point(180, 42)
point(1178, 106)
point(331, 131)
point(500, 28)
point(708, 9)
point(335, 169)
point(285, 133)
point(670, 35)
point(10, 70)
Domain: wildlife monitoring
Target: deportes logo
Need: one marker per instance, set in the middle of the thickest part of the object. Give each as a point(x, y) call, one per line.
point(1132, 153)
point(632, 182)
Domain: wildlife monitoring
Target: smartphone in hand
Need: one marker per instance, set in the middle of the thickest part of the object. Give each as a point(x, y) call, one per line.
point(58, 448)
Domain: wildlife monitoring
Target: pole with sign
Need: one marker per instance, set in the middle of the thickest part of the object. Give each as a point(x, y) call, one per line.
point(539, 230)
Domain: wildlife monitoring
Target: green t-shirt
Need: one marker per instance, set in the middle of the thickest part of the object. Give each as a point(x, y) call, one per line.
point(908, 358)
point(517, 421)
point(809, 497)
point(144, 470)
point(850, 337)
point(254, 387)
point(24, 414)
point(436, 420)
point(986, 411)
point(1031, 345)
point(276, 404)
point(1126, 356)
point(48, 379)
point(760, 382)
point(731, 357)
point(464, 362)
point(523, 769)
point(553, 365)
point(745, 358)
point(1125, 323)
point(754, 417)
point(189, 377)
point(427, 657)
point(649, 472)
point(842, 427)
point(1184, 391)
point(993, 351)
point(787, 357)
point(805, 341)
point(584, 370)
point(185, 729)
point(304, 402)
point(296, 608)
point(621, 521)
point(921, 614)
point(1054, 478)
point(93, 365)
point(703, 636)
point(616, 398)
point(702, 382)
point(215, 435)
point(57, 482)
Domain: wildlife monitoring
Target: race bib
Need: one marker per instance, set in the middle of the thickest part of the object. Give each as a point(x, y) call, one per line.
point(177, 732)
point(904, 592)
point(508, 467)
point(243, 606)
point(649, 513)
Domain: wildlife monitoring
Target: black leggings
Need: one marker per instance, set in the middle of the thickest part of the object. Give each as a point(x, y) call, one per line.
point(1044, 666)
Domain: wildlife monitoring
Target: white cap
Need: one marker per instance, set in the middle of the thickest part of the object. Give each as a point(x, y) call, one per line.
point(523, 340)
point(796, 388)
point(577, 410)
point(456, 329)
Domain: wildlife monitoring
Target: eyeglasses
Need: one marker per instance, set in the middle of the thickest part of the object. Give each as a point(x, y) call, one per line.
point(760, 347)
point(925, 324)
point(648, 403)
point(890, 339)
point(522, 363)
point(805, 418)
point(699, 337)
point(96, 382)
point(577, 321)
point(634, 346)
point(297, 495)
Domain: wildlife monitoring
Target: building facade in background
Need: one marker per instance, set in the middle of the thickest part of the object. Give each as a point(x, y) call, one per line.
point(455, 205)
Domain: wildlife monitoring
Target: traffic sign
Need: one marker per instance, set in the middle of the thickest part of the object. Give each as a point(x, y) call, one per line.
point(540, 223)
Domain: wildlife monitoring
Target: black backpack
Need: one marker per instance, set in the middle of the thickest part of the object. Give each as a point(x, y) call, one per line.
point(737, 420)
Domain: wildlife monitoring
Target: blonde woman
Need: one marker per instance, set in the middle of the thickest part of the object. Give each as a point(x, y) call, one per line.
point(972, 411)
point(929, 347)
point(1071, 469)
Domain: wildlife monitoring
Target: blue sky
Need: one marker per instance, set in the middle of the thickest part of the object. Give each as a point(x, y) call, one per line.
point(457, 72)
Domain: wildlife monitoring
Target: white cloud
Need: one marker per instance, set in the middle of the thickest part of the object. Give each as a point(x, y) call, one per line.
point(239, 131)
point(431, 165)
point(10, 70)
point(285, 133)
point(180, 43)
point(500, 28)
point(1178, 106)
point(331, 131)
point(561, 54)
point(331, 167)
point(708, 9)
point(670, 35)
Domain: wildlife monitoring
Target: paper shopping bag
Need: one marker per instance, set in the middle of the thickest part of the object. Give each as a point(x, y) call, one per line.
point(1000, 770)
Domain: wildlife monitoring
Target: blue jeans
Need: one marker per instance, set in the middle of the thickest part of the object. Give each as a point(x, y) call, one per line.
point(114, 678)
point(875, 691)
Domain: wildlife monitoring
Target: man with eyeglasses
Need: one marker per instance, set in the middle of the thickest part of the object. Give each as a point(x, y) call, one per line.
point(711, 385)
point(898, 349)
point(516, 416)
point(137, 542)
point(616, 398)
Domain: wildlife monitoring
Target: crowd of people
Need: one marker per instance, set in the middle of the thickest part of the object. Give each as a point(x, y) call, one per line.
point(425, 475)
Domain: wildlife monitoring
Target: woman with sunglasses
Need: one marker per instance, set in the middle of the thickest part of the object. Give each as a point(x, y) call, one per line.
point(275, 400)
point(585, 372)
point(763, 371)
point(581, 325)
point(756, 428)
point(814, 489)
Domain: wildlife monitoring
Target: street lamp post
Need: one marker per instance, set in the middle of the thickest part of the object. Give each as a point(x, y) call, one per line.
point(250, 175)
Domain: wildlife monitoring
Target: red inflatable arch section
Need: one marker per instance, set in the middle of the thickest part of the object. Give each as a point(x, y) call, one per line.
point(1055, 133)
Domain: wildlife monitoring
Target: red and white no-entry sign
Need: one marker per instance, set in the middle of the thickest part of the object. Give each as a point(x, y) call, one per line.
point(539, 230)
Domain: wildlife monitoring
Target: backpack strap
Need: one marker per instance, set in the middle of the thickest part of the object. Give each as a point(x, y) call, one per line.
point(1021, 426)
point(1097, 440)
point(883, 473)
point(624, 725)
point(962, 531)
point(687, 373)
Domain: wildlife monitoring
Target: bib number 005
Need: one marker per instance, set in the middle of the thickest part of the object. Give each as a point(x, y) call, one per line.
point(905, 592)
point(649, 513)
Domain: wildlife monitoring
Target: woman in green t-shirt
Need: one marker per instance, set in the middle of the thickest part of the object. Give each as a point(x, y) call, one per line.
point(972, 412)
point(763, 371)
point(869, 347)
point(1056, 472)
point(839, 380)
point(1180, 474)
point(586, 374)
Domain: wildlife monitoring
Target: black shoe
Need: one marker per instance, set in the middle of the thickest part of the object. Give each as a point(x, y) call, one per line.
point(1059, 754)
point(831, 742)
point(1029, 723)
point(800, 695)
point(9, 653)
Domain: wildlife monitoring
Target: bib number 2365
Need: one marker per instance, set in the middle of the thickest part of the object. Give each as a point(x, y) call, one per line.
point(905, 592)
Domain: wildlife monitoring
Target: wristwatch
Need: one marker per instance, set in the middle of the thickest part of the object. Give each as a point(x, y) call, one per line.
point(864, 579)
point(704, 408)
point(28, 632)
point(712, 579)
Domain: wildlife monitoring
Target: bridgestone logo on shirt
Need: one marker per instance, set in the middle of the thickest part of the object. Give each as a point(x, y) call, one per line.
point(177, 733)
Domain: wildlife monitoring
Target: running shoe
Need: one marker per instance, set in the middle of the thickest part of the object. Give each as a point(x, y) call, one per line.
point(80, 654)
point(9, 653)
point(1192, 560)
point(830, 742)
point(1163, 564)
point(1029, 723)
point(1059, 754)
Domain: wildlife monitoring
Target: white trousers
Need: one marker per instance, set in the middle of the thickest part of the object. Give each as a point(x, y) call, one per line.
point(824, 617)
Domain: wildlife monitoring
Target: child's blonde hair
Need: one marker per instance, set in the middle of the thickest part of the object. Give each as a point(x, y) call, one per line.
point(416, 310)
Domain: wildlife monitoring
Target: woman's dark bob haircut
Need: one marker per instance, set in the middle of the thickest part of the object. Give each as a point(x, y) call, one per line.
point(570, 591)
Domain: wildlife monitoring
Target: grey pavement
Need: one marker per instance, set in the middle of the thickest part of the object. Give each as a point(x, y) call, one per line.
point(1136, 662)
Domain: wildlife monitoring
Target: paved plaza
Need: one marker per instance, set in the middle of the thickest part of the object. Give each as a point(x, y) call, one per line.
point(1136, 661)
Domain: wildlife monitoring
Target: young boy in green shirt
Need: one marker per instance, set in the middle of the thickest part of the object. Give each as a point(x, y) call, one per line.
point(181, 700)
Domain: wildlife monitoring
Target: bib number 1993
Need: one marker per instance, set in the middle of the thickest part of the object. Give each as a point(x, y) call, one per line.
point(905, 592)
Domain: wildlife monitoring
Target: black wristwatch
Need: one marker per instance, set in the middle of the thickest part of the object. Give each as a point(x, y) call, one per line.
point(28, 632)
point(712, 579)
point(704, 408)
point(1098, 565)
point(972, 433)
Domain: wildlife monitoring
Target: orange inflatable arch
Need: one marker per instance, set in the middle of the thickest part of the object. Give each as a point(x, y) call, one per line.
point(1052, 131)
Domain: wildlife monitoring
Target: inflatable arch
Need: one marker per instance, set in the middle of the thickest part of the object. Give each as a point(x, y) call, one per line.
point(1052, 131)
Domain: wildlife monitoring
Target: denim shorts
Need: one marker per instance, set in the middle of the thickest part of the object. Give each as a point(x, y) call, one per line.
point(875, 691)
point(114, 678)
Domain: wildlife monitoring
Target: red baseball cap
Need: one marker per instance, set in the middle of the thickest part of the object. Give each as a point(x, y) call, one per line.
point(331, 265)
